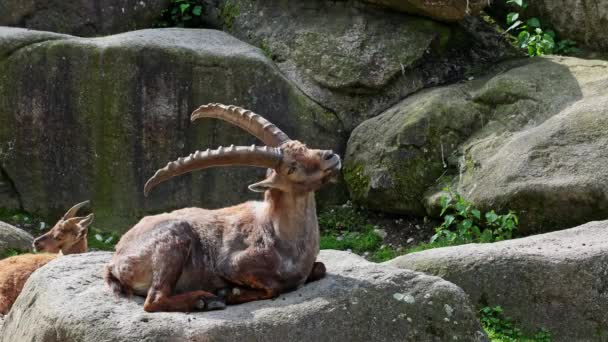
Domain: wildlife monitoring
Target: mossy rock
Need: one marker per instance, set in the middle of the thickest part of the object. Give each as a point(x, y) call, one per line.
point(355, 58)
point(94, 118)
point(449, 11)
point(82, 17)
point(529, 137)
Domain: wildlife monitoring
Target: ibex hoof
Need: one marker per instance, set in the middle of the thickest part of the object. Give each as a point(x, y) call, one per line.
point(206, 304)
point(216, 304)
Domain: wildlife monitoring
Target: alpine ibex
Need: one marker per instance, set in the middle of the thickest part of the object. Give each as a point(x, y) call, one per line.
point(198, 259)
point(68, 236)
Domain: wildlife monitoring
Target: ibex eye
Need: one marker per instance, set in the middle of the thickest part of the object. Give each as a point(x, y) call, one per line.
point(291, 170)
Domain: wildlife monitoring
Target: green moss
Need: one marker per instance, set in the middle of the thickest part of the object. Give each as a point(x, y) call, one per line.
point(358, 182)
point(106, 116)
point(228, 12)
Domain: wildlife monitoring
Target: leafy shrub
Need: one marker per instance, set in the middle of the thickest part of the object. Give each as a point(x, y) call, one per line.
point(463, 223)
point(182, 13)
point(502, 329)
point(532, 38)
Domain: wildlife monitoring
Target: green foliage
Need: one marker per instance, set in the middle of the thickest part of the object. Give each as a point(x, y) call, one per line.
point(424, 246)
point(358, 242)
point(463, 223)
point(502, 329)
point(182, 13)
point(11, 252)
point(346, 227)
point(385, 253)
point(531, 36)
point(101, 241)
point(228, 13)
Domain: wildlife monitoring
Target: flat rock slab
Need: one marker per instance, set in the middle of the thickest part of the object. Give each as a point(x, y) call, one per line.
point(358, 301)
point(556, 280)
point(13, 238)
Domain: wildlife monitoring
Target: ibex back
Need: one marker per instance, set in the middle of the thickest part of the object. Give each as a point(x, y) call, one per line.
point(198, 259)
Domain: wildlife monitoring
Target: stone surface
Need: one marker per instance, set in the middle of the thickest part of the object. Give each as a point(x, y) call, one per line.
point(583, 21)
point(357, 301)
point(357, 59)
point(450, 10)
point(82, 17)
point(94, 118)
point(529, 138)
point(13, 238)
point(555, 280)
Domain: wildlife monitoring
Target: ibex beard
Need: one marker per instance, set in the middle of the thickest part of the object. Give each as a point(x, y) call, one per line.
point(199, 259)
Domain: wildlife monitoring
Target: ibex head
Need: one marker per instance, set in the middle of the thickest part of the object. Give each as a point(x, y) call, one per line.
point(293, 166)
point(66, 233)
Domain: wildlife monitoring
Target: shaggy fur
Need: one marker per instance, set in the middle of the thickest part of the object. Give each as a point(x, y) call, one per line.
point(198, 259)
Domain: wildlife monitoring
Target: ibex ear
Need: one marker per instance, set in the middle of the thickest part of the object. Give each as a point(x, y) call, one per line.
point(85, 222)
point(269, 183)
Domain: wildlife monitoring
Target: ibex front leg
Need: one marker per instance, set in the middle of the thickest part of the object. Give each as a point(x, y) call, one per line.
point(169, 259)
point(255, 273)
point(317, 272)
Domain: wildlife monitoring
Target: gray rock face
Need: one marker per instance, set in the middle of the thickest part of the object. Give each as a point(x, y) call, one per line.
point(529, 138)
point(358, 59)
point(451, 10)
point(583, 21)
point(81, 17)
point(357, 301)
point(94, 118)
point(14, 238)
point(555, 280)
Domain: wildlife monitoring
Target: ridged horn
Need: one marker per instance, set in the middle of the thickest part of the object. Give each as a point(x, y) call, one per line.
point(260, 156)
point(73, 210)
point(253, 123)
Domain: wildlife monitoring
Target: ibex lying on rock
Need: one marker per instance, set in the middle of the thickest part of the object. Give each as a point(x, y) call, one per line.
point(183, 259)
point(68, 236)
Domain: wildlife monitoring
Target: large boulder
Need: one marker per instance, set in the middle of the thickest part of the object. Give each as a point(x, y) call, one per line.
point(530, 137)
point(452, 10)
point(555, 280)
point(354, 58)
point(94, 118)
point(583, 21)
point(14, 239)
point(82, 17)
point(358, 301)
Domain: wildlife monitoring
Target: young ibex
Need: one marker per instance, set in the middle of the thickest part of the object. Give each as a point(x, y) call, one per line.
point(68, 236)
point(182, 260)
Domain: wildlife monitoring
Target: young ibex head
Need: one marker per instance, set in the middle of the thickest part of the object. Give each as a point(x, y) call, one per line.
point(293, 166)
point(69, 235)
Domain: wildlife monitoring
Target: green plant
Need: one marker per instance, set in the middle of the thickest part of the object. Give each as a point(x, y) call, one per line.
point(532, 38)
point(101, 241)
point(10, 252)
point(228, 13)
point(502, 329)
point(463, 223)
point(182, 13)
point(349, 228)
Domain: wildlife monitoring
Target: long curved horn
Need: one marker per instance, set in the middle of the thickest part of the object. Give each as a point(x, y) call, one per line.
point(260, 156)
point(73, 210)
point(253, 123)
